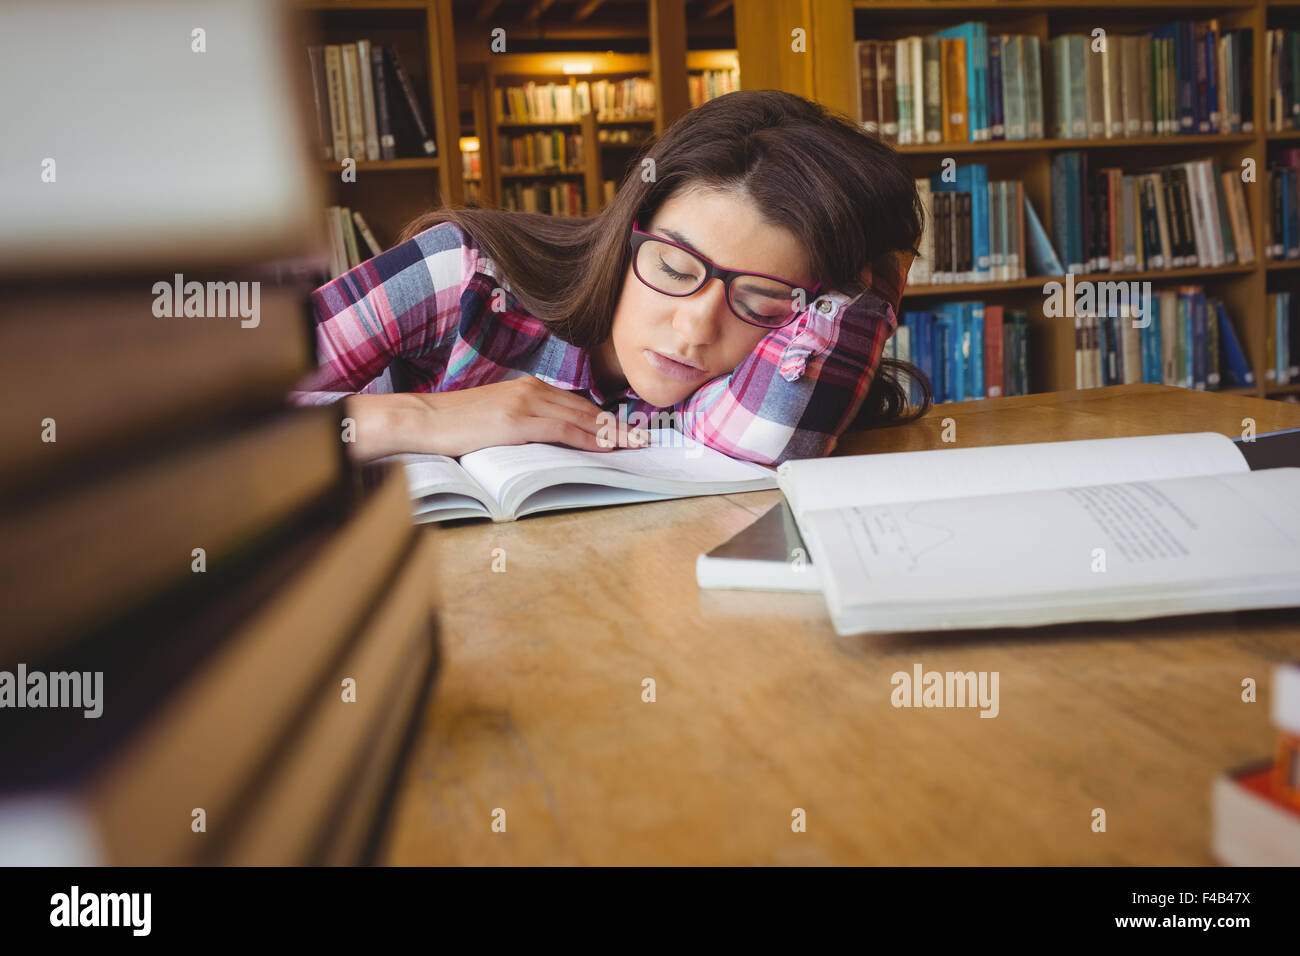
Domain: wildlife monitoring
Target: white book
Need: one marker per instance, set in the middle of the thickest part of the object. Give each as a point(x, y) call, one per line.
point(1285, 709)
point(1251, 828)
point(906, 98)
point(352, 98)
point(367, 100)
point(139, 151)
point(916, 61)
point(506, 482)
point(1049, 532)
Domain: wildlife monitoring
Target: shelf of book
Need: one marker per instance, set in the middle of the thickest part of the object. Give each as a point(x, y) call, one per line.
point(1036, 164)
point(597, 108)
point(384, 126)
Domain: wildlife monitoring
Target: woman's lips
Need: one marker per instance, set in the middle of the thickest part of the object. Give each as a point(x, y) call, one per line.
point(670, 369)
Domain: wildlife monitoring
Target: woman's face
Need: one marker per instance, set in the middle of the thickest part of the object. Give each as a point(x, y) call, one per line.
point(725, 227)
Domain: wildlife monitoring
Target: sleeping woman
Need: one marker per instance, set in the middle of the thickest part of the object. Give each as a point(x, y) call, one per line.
point(740, 288)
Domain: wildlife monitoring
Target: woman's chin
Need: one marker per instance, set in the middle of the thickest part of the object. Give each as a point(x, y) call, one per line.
point(660, 394)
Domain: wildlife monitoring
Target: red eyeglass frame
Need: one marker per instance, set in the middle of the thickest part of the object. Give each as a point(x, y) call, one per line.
point(714, 271)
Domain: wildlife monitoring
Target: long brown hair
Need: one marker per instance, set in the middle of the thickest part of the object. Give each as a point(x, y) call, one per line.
point(846, 196)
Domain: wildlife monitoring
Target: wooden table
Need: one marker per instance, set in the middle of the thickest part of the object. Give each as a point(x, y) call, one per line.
point(760, 708)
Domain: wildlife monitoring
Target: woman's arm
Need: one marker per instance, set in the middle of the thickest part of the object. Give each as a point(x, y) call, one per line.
point(402, 304)
point(796, 393)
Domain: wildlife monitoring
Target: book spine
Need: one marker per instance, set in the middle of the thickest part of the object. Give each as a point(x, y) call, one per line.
point(383, 119)
point(321, 99)
point(906, 98)
point(868, 94)
point(352, 92)
point(958, 115)
point(1013, 87)
point(1130, 84)
point(1031, 62)
point(887, 74)
point(367, 94)
point(993, 372)
point(997, 115)
point(1202, 78)
point(338, 109)
point(1245, 65)
point(1145, 104)
point(1086, 68)
point(427, 142)
point(933, 109)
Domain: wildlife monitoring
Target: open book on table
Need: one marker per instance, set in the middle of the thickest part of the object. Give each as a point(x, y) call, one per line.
point(1018, 535)
point(506, 482)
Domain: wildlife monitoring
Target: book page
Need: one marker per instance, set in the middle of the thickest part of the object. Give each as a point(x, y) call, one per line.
point(818, 483)
point(670, 456)
point(1210, 534)
point(427, 474)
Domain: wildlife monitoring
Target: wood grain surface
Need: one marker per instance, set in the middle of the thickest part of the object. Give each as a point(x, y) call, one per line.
point(761, 709)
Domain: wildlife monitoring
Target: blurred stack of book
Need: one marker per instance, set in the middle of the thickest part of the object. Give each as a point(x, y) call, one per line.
point(351, 241)
point(550, 151)
point(366, 105)
point(710, 84)
point(1257, 808)
point(218, 627)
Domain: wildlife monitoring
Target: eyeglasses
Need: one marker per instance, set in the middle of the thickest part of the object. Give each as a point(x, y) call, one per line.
point(670, 268)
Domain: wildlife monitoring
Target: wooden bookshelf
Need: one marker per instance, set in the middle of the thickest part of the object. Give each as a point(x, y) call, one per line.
point(391, 192)
point(827, 72)
point(601, 161)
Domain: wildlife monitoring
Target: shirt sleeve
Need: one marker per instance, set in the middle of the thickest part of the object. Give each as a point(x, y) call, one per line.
point(402, 304)
point(801, 386)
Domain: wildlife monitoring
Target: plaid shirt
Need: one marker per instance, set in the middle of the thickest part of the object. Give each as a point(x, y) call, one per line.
point(419, 318)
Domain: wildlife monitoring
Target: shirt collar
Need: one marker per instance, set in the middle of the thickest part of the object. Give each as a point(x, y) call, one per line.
point(559, 356)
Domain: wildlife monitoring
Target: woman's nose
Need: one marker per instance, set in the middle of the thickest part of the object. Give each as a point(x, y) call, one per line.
point(698, 318)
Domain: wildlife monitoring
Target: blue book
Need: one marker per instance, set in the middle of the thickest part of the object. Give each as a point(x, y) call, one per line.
point(1076, 257)
point(1151, 345)
point(973, 179)
point(1043, 260)
point(1200, 349)
point(942, 355)
point(1184, 78)
point(949, 315)
point(1237, 366)
point(976, 322)
point(922, 351)
point(997, 118)
point(1185, 310)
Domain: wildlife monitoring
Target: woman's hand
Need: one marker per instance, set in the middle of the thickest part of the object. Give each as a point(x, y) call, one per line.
point(514, 412)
